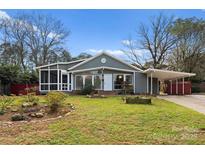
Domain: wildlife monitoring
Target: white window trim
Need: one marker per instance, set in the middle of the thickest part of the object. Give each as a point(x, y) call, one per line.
point(76, 82)
point(93, 77)
point(124, 79)
point(92, 80)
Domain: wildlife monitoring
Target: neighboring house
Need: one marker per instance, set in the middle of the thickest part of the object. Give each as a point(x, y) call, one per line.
point(105, 73)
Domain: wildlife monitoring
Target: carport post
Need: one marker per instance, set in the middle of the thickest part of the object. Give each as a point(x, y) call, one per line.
point(183, 86)
point(171, 87)
point(176, 86)
point(151, 84)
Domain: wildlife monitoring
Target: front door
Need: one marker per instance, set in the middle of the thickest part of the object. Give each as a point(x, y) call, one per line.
point(107, 82)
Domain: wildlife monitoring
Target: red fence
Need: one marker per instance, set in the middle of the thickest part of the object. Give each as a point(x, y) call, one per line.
point(20, 89)
point(187, 88)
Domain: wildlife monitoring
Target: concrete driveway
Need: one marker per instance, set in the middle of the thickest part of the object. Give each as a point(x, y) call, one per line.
point(195, 102)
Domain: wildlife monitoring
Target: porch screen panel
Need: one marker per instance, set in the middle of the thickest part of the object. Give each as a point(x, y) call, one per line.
point(79, 82)
point(53, 76)
point(65, 82)
point(44, 76)
point(44, 87)
point(53, 80)
point(44, 80)
point(53, 87)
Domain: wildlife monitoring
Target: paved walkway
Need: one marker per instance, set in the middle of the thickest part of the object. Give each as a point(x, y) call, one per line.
point(195, 102)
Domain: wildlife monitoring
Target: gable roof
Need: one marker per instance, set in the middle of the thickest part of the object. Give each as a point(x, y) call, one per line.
point(75, 61)
point(105, 53)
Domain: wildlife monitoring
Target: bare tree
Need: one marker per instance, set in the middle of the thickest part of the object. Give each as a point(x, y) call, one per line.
point(154, 38)
point(46, 34)
point(14, 35)
point(65, 56)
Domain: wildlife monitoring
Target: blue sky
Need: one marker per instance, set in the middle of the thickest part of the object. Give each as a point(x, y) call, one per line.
point(96, 30)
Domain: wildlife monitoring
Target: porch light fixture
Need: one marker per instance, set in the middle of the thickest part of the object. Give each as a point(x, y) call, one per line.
point(120, 76)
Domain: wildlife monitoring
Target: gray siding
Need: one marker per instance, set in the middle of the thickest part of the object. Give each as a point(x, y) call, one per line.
point(66, 66)
point(140, 83)
point(110, 62)
point(53, 67)
point(61, 66)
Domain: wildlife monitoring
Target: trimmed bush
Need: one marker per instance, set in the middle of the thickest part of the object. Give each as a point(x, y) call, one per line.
point(137, 100)
point(18, 117)
point(54, 98)
point(87, 90)
point(5, 101)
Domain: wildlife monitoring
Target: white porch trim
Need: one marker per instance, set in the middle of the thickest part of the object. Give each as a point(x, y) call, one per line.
point(61, 63)
point(176, 86)
point(96, 68)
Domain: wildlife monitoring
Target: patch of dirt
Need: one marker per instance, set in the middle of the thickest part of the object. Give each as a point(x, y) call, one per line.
point(5, 119)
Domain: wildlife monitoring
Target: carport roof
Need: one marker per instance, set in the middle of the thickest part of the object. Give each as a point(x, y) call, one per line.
point(167, 75)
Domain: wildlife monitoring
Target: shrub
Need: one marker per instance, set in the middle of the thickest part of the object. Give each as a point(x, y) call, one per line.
point(5, 101)
point(137, 100)
point(127, 88)
point(87, 90)
point(18, 117)
point(54, 98)
point(31, 98)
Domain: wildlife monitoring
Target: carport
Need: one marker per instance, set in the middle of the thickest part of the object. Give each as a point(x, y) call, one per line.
point(166, 75)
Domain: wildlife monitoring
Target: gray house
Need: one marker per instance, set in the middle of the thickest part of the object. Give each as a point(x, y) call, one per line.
point(106, 73)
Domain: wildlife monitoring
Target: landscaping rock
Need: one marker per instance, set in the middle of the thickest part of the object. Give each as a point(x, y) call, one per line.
point(14, 109)
point(46, 105)
point(24, 105)
point(8, 107)
point(42, 111)
point(32, 109)
point(72, 107)
point(39, 115)
point(89, 96)
point(18, 117)
point(67, 114)
point(32, 115)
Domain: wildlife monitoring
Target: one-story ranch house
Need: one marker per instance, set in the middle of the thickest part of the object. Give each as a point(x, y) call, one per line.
point(106, 73)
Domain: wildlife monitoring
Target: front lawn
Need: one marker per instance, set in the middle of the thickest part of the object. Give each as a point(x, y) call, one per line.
point(110, 121)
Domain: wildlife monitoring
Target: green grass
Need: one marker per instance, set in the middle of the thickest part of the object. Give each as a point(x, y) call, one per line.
point(110, 121)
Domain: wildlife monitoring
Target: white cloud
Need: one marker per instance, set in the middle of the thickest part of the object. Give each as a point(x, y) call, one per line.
point(128, 42)
point(117, 53)
point(4, 15)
